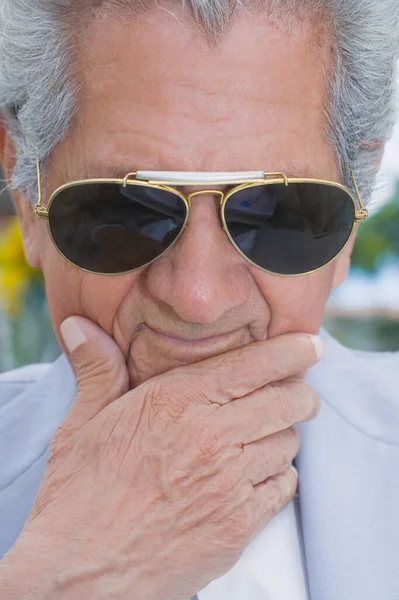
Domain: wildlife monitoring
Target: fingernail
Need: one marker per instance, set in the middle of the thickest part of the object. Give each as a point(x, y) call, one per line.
point(318, 345)
point(72, 334)
point(295, 470)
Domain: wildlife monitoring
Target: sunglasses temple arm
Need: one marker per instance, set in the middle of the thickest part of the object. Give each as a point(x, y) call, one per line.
point(40, 210)
point(361, 213)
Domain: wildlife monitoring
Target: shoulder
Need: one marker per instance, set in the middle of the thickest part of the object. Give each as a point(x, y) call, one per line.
point(33, 402)
point(362, 387)
point(379, 369)
point(36, 391)
point(13, 383)
point(29, 374)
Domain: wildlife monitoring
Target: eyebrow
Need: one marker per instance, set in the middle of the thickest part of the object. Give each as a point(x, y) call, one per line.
point(97, 170)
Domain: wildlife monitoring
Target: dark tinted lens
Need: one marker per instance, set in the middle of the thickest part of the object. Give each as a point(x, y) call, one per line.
point(291, 229)
point(108, 228)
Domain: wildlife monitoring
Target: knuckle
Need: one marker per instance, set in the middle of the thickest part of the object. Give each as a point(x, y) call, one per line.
point(245, 521)
point(221, 374)
point(166, 402)
point(242, 523)
point(210, 444)
point(282, 449)
point(277, 495)
point(194, 379)
point(277, 455)
point(282, 489)
point(295, 402)
point(230, 481)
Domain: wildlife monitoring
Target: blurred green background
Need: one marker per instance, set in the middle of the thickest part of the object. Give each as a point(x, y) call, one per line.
point(370, 321)
point(363, 315)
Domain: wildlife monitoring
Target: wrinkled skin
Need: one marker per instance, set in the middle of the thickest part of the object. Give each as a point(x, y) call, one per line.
point(164, 455)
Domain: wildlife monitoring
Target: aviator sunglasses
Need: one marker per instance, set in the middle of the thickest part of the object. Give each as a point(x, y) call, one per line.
point(283, 225)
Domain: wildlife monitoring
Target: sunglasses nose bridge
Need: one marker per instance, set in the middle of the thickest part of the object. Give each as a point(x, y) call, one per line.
point(222, 196)
point(208, 192)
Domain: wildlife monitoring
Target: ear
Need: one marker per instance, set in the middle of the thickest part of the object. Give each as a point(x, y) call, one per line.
point(377, 147)
point(23, 206)
point(343, 262)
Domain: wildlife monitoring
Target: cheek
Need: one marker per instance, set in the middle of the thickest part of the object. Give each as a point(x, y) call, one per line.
point(71, 291)
point(62, 282)
point(296, 303)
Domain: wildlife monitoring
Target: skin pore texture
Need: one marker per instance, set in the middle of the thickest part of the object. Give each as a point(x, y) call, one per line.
point(157, 96)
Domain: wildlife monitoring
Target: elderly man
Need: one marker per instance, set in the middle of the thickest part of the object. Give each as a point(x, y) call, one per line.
point(190, 178)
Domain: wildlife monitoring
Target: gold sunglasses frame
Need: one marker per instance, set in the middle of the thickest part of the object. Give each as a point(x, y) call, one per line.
point(360, 212)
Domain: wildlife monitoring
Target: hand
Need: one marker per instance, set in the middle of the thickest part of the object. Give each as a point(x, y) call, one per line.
point(153, 493)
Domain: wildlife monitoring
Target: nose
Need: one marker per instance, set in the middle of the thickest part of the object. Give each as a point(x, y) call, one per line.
point(202, 278)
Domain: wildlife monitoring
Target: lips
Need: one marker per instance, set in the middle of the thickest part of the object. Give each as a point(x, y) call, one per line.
point(187, 349)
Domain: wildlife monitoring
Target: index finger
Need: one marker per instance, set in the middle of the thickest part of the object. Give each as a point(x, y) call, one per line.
point(239, 372)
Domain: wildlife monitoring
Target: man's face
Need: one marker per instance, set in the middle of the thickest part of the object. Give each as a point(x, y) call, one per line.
point(156, 96)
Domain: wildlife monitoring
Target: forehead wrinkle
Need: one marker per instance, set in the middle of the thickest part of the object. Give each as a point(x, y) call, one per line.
point(99, 170)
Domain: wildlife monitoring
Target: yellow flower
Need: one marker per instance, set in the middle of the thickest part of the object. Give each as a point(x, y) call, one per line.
point(15, 273)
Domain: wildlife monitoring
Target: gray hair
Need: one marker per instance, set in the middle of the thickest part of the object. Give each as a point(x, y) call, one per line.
point(38, 88)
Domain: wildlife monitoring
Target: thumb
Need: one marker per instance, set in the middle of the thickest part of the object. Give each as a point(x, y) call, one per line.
point(99, 366)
